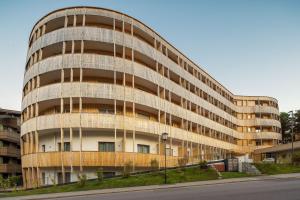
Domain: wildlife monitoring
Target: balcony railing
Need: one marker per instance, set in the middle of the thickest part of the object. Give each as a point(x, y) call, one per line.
point(10, 136)
point(10, 168)
point(95, 159)
point(10, 152)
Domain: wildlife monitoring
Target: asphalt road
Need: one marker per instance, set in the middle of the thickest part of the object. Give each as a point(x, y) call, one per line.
point(283, 189)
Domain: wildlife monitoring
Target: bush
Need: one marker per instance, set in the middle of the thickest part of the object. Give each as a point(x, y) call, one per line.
point(4, 183)
point(154, 164)
point(203, 165)
point(81, 180)
point(99, 173)
point(127, 169)
point(13, 181)
point(296, 158)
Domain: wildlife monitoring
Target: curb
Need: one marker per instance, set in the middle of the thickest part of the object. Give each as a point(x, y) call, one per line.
point(151, 187)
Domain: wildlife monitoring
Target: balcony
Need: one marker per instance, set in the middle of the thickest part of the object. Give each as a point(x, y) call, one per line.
point(10, 152)
point(10, 168)
point(10, 136)
point(96, 159)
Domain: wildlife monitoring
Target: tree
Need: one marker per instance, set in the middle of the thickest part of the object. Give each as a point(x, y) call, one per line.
point(285, 126)
point(81, 180)
point(127, 169)
point(297, 122)
point(100, 175)
point(287, 120)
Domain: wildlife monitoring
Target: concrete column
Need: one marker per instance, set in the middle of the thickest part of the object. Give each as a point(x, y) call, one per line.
point(71, 148)
point(80, 151)
point(61, 153)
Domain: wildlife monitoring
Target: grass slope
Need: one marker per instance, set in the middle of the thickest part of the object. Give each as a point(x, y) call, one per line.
point(156, 178)
point(271, 168)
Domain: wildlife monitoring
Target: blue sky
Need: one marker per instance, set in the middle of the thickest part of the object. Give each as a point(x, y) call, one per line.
point(251, 47)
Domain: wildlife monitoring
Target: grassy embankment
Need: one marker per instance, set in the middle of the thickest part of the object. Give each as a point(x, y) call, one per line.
point(271, 169)
point(155, 178)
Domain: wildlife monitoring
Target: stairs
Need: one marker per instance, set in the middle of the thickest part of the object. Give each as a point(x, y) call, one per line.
point(250, 169)
point(217, 171)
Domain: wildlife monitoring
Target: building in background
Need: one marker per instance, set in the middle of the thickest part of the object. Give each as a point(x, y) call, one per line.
point(10, 163)
point(100, 87)
point(281, 154)
point(297, 136)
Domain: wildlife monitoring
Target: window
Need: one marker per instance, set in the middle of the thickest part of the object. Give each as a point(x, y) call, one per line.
point(67, 177)
point(106, 146)
point(143, 148)
point(106, 110)
point(258, 143)
point(143, 115)
point(109, 174)
point(44, 177)
point(60, 177)
point(67, 146)
point(169, 152)
point(43, 148)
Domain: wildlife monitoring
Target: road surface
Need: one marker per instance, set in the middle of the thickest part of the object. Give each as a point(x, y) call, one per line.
point(276, 189)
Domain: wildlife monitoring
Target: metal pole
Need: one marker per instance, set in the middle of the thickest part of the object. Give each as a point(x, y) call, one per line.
point(165, 162)
point(293, 137)
point(260, 124)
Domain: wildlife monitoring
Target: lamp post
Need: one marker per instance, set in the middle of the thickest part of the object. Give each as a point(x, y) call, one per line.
point(292, 121)
point(164, 137)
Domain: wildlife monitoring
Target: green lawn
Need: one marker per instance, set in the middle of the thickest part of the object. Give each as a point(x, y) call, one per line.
point(270, 168)
point(156, 178)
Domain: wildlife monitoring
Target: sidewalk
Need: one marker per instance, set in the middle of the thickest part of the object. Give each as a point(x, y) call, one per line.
point(152, 187)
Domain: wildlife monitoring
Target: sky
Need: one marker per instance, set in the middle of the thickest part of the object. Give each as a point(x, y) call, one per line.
point(252, 47)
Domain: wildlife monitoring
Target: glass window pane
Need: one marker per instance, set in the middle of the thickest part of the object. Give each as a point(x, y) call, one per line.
point(67, 146)
point(106, 146)
point(143, 148)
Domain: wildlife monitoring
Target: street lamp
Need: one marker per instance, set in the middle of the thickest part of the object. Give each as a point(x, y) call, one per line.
point(292, 124)
point(164, 137)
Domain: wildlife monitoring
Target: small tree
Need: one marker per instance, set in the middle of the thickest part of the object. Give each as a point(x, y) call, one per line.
point(154, 164)
point(127, 169)
point(13, 181)
point(81, 180)
point(99, 173)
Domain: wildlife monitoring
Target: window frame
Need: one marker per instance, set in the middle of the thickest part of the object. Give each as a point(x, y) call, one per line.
point(106, 146)
point(142, 147)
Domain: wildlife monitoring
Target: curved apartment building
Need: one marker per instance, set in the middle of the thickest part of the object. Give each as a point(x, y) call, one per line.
point(100, 87)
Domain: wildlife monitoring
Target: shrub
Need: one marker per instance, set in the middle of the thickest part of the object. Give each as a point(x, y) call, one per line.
point(13, 181)
point(81, 180)
point(296, 158)
point(99, 173)
point(203, 165)
point(4, 183)
point(127, 169)
point(154, 164)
